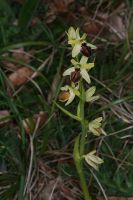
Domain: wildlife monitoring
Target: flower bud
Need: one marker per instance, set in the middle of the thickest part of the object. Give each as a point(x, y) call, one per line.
point(75, 76)
point(85, 50)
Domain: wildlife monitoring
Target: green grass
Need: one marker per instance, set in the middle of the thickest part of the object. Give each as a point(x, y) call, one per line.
point(53, 142)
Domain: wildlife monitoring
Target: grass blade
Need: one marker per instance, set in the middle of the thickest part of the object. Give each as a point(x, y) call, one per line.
point(26, 12)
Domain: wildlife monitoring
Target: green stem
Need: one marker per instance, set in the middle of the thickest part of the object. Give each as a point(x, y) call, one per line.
point(82, 116)
point(79, 166)
point(83, 183)
point(79, 147)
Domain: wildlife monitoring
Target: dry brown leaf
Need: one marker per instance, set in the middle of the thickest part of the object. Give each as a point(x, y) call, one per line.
point(53, 89)
point(57, 7)
point(56, 189)
point(91, 27)
point(48, 190)
point(112, 26)
point(4, 116)
point(20, 76)
point(29, 123)
point(10, 65)
point(117, 26)
point(66, 192)
point(62, 5)
point(43, 117)
point(18, 54)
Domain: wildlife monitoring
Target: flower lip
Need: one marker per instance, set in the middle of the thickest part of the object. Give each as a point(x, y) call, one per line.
point(86, 50)
point(64, 96)
point(69, 92)
point(75, 76)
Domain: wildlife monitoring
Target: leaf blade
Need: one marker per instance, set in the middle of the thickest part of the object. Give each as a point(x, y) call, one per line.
point(27, 12)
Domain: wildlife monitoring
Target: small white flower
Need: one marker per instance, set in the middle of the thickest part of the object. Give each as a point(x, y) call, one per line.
point(68, 93)
point(83, 66)
point(89, 94)
point(93, 160)
point(95, 127)
point(76, 41)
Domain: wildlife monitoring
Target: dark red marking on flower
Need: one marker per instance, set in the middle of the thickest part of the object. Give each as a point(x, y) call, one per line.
point(85, 50)
point(75, 76)
point(98, 130)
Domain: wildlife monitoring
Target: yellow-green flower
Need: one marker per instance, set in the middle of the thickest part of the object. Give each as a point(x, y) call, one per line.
point(76, 41)
point(89, 94)
point(93, 160)
point(83, 66)
point(95, 127)
point(68, 93)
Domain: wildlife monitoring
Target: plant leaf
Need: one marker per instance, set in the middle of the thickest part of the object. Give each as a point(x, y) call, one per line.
point(26, 12)
point(67, 112)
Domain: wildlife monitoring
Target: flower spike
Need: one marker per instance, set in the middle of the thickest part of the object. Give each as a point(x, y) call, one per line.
point(78, 72)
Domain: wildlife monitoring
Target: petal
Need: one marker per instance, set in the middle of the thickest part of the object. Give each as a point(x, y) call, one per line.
point(71, 98)
point(99, 119)
point(103, 132)
point(77, 34)
point(88, 66)
point(96, 159)
point(85, 75)
point(92, 46)
point(76, 92)
point(69, 71)
point(92, 152)
point(83, 36)
point(72, 42)
point(95, 124)
point(76, 50)
point(65, 88)
point(83, 60)
point(92, 99)
point(93, 160)
point(75, 89)
point(92, 164)
point(74, 62)
point(89, 93)
point(71, 33)
point(94, 131)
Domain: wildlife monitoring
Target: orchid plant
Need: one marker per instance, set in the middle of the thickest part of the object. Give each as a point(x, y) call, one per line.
point(78, 75)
